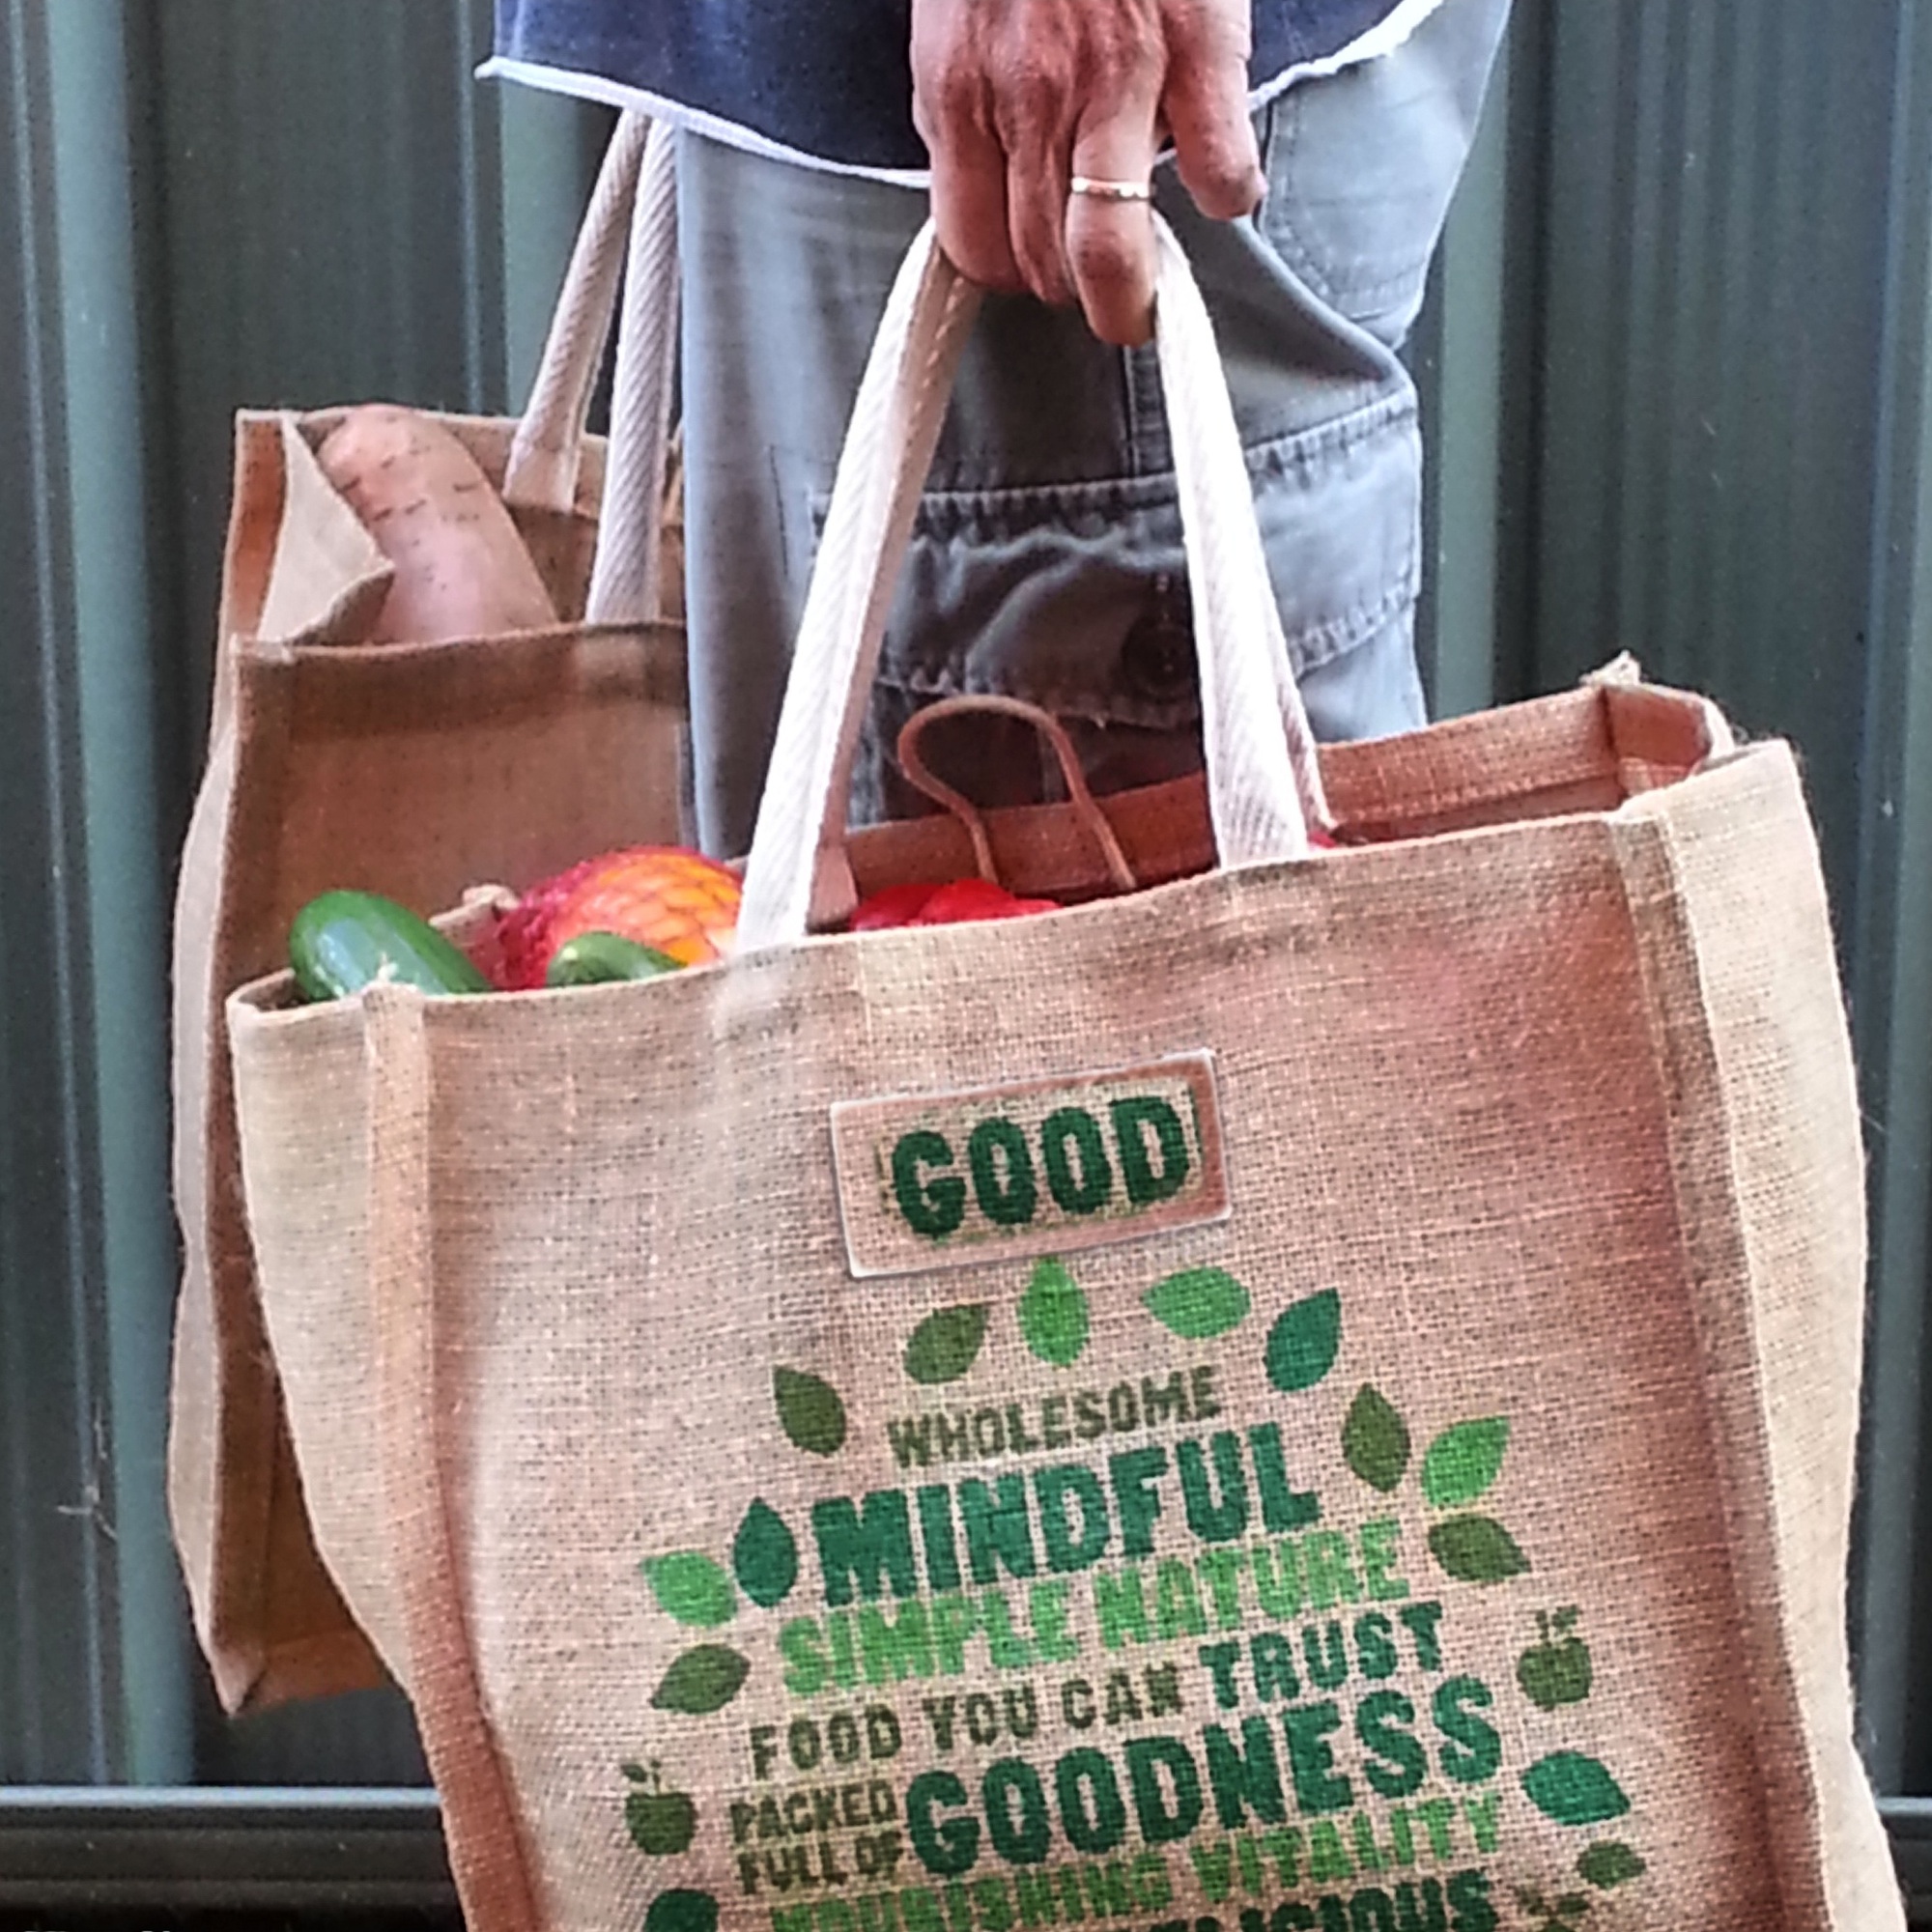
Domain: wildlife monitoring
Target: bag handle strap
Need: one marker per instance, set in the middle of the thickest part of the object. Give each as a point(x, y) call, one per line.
point(480, 1819)
point(629, 235)
point(1079, 794)
point(1263, 782)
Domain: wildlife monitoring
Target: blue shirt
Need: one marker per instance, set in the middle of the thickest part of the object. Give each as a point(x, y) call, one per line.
point(828, 81)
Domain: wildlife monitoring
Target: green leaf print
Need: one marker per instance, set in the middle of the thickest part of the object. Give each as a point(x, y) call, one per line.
point(1609, 1865)
point(1303, 1344)
point(1465, 1460)
point(1476, 1549)
point(810, 1411)
point(946, 1345)
point(701, 1680)
point(662, 1823)
point(1374, 1441)
point(1574, 1789)
point(1053, 1314)
point(691, 1587)
point(1197, 1303)
point(764, 1555)
point(682, 1912)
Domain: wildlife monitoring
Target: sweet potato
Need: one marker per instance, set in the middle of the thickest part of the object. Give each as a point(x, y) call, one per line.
point(462, 570)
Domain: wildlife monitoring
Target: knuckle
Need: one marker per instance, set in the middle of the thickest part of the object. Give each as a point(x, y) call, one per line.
point(953, 94)
point(1030, 97)
point(1210, 33)
point(1138, 46)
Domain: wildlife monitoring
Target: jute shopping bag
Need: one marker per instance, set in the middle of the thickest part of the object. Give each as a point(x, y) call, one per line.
point(412, 769)
point(1315, 1396)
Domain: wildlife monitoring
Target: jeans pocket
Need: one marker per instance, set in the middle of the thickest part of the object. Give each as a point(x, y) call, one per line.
point(1076, 598)
point(1362, 165)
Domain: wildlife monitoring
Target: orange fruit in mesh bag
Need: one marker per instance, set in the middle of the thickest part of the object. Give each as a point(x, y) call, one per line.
point(677, 901)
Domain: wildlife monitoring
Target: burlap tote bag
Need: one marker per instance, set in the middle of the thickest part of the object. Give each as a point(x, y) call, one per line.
point(1316, 1397)
point(412, 769)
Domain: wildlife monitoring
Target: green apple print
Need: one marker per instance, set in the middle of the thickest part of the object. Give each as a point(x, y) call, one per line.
point(1556, 1671)
point(662, 1823)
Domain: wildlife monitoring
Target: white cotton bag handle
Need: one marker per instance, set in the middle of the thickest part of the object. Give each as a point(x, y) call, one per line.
point(1263, 782)
point(629, 235)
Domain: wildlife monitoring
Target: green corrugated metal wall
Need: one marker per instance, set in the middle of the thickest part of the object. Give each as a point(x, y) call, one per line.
point(1676, 374)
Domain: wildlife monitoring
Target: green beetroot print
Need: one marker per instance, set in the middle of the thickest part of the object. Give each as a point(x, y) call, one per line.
point(662, 1823)
point(1374, 1441)
point(1476, 1549)
point(1575, 1790)
point(946, 1345)
point(1304, 1342)
point(810, 1411)
point(1556, 1671)
point(1053, 1314)
point(764, 1556)
point(682, 1912)
point(692, 1588)
point(1609, 1865)
point(1199, 1303)
point(701, 1680)
point(1463, 1462)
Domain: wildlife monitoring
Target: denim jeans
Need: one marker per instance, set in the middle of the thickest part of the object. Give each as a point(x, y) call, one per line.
point(1046, 561)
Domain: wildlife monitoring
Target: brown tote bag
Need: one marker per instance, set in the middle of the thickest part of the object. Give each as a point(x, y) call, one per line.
point(410, 769)
point(1315, 1396)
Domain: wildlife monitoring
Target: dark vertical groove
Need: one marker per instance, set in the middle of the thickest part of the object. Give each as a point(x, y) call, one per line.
point(1733, 448)
point(54, 1700)
point(1891, 952)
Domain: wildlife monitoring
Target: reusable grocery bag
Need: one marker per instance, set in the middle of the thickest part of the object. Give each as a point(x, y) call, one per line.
point(411, 769)
point(1316, 1396)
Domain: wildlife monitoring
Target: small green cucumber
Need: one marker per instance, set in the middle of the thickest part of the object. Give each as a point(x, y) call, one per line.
point(597, 958)
point(342, 942)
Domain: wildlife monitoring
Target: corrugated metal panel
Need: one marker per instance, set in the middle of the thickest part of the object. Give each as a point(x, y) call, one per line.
point(1717, 181)
point(1891, 962)
point(57, 1717)
point(320, 173)
point(1729, 473)
point(210, 204)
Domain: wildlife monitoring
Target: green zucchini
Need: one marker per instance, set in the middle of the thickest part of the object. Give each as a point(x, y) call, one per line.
point(342, 942)
point(597, 958)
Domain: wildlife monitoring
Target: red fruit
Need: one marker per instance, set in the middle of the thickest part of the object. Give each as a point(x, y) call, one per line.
point(897, 905)
point(968, 900)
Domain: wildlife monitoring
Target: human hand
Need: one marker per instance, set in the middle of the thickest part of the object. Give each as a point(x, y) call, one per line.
point(1016, 99)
